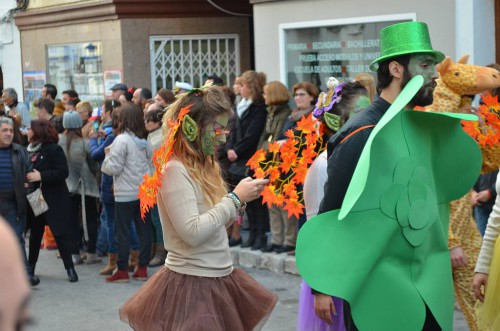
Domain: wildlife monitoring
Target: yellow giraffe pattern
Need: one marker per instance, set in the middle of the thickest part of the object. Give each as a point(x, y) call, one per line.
point(456, 82)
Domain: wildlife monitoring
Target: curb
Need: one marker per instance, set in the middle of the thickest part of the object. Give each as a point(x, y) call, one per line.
point(277, 263)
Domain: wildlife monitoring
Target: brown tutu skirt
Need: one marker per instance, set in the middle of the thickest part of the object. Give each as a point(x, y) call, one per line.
point(177, 302)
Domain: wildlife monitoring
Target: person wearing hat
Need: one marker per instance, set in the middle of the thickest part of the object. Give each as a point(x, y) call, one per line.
point(117, 90)
point(82, 185)
point(181, 87)
point(405, 52)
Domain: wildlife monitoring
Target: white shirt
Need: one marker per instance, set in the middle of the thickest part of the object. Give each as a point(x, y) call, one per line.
point(243, 106)
point(314, 185)
point(490, 236)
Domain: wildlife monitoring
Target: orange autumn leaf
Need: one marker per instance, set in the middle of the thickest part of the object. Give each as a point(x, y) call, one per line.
point(274, 173)
point(254, 161)
point(294, 208)
point(259, 173)
point(278, 200)
point(300, 174)
point(289, 134)
point(289, 146)
point(308, 155)
point(307, 124)
point(311, 139)
point(287, 164)
point(489, 99)
point(184, 111)
point(290, 189)
point(487, 131)
point(274, 147)
point(268, 195)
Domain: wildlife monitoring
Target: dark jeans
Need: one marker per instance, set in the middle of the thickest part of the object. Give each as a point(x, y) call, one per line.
point(8, 210)
point(91, 218)
point(102, 234)
point(481, 215)
point(156, 230)
point(108, 210)
point(126, 213)
point(258, 217)
point(65, 243)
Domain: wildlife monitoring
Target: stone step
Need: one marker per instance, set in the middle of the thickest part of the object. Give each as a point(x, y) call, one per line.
point(278, 263)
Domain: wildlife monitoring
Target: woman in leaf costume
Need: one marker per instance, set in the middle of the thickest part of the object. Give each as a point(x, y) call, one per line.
point(198, 289)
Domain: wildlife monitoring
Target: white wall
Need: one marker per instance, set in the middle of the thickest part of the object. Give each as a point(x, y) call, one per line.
point(439, 15)
point(10, 51)
point(475, 27)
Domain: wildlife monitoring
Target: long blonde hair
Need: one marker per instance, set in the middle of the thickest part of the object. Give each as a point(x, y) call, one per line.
point(368, 83)
point(205, 170)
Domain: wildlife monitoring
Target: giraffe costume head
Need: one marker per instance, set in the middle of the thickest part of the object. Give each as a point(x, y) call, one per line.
point(457, 81)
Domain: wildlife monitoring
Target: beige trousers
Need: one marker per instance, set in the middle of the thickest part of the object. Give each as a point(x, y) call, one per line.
point(283, 229)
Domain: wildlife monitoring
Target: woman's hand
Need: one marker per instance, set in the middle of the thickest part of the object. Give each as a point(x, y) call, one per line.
point(479, 285)
point(33, 176)
point(93, 134)
point(102, 134)
point(231, 155)
point(458, 257)
point(249, 189)
point(324, 308)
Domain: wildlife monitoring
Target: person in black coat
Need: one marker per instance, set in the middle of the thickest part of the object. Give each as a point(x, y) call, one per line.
point(250, 121)
point(50, 170)
point(14, 164)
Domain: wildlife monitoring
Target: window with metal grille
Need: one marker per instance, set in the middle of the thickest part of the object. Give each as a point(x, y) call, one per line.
point(192, 59)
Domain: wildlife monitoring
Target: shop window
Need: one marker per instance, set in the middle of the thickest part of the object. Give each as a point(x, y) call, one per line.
point(314, 51)
point(192, 59)
point(77, 67)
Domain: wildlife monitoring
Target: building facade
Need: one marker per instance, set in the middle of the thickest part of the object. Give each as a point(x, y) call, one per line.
point(311, 40)
point(90, 45)
point(10, 49)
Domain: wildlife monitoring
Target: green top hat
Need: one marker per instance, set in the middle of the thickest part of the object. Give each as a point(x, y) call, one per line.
point(404, 38)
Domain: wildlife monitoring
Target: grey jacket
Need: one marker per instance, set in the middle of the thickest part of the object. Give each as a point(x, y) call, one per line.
point(81, 180)
point(128, 160)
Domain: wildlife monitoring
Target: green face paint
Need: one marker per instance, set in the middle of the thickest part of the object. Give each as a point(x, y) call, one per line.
point(424, 65)
point(214, 134)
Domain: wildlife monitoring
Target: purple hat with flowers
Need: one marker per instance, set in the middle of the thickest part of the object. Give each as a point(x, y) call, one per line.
point(326, 100)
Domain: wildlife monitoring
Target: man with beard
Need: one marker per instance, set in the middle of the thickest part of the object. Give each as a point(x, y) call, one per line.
point(406, 51)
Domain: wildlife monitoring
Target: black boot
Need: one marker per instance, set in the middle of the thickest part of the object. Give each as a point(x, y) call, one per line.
point(72, 276)
point(250, 242)
point(260, 242)
point(34, 280)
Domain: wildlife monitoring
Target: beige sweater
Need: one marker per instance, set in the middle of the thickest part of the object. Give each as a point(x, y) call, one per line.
point(194, 234)
point(490, 236)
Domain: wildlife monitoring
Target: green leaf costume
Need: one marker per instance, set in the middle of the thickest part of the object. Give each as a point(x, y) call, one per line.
point(386, 250)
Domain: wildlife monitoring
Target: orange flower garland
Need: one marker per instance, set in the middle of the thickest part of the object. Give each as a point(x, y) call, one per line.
point(286, 165)
point(486, 131)
point(150, 185)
